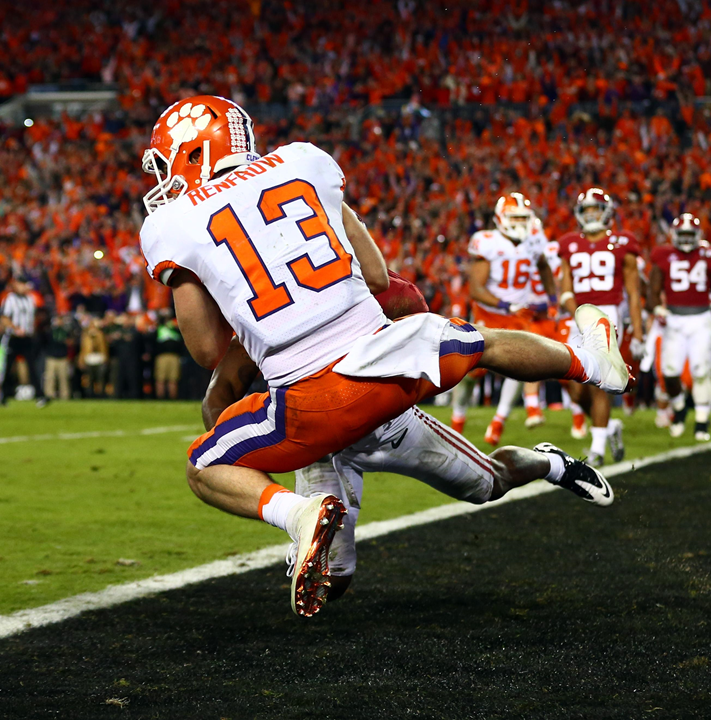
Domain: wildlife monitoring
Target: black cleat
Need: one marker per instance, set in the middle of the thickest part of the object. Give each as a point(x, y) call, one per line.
point(580, 478)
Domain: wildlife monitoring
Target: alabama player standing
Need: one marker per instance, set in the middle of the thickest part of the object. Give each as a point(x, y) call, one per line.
point(682, 271)
point(264, 248)
point(504, 262)
point(599, 267)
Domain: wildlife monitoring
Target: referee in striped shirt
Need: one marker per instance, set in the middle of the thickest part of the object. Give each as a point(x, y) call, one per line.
point(17, 316)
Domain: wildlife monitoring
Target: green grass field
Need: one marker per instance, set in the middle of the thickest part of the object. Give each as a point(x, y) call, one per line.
point(80, 513)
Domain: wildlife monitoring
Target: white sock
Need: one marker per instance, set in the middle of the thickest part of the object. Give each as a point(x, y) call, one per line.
point(276, 511)
point(611, 425)
point(590, 364)
point(599, 440)
point(679, 402)
point(557, 467)
point(567, 402)
point(509, 393)
point(701, 413)
point(530, 400)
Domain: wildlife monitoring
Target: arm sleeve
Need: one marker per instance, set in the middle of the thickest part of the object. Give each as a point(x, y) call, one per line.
point(480, 246)
point(159, 259)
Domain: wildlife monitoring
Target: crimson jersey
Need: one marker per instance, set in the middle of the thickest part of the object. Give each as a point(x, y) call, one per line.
point(687, 276)
point(598, 267)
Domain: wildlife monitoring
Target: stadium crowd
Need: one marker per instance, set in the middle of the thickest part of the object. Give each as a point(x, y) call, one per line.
point(546, 98)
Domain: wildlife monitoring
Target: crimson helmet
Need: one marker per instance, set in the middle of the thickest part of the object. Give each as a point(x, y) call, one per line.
point(594, 210)
point(514, 217)
point(193, 140)
point(686, 232)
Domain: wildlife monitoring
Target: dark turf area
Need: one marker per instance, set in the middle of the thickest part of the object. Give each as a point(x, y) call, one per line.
point(544, 608)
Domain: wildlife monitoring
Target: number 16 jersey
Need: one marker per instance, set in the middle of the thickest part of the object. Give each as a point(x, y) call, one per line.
point(598, 267)
point(268, 243)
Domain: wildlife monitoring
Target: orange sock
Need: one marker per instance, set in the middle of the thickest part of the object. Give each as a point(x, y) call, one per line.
point(267, 494)
point(458, 425)
point(576, 371)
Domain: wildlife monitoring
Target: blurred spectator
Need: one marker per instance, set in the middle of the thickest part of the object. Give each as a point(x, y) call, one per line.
point(126, 349)
point(93, 359)
point(56, 364)
point(168, 348)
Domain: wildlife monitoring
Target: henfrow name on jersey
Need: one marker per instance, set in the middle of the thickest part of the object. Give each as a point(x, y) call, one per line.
point(229, 181)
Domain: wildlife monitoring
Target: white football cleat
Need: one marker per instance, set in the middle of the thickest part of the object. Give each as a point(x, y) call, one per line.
point(316, 526)
point(600, 339)
point(702, 436)
point(676, 429)
point(662, 419)
point(534, 420)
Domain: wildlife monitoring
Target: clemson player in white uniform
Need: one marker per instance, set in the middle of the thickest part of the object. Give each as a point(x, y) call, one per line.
point(682, 271)
point(504, 262)
point(265, 249)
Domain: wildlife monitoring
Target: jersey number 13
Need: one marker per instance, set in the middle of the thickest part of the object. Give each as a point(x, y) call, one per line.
point(226, 227)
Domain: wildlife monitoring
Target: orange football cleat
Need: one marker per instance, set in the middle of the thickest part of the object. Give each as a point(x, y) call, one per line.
point(458, 425)
point(579, 429)
point(493, 432)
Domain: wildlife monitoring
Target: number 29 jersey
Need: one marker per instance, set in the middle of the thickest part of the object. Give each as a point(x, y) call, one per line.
point(268, 243)
point(598, 267)
point(686, 275)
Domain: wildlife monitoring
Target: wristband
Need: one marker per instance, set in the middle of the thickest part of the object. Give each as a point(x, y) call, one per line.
point(553, 299)
point(503, 305)
point(566, 296)
point(538, 307)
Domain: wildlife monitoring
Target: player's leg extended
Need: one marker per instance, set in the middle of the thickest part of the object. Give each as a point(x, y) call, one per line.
point(417, 445)
point(528, 357)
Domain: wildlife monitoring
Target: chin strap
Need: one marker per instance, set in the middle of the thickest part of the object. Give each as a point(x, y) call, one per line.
point(205, 171)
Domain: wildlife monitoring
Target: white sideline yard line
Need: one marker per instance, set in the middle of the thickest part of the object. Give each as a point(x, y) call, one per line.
point(115, 594)
point(98, 434)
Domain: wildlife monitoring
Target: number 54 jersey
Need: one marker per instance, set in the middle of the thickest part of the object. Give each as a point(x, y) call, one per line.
point(268, 243)
point(686, 275)
point(598, 267)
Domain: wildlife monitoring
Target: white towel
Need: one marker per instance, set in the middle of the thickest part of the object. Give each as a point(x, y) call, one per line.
point(406, 348)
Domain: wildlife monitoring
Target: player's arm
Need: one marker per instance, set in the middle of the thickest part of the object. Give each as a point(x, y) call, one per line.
point(372, 263)
point(567, 296)
point(206, 332)
point(631, 279)
point(229, 383)
point(478, 276)
point(656, 285)
point(544, 270)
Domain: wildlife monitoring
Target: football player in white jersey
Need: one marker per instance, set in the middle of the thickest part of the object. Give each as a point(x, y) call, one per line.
point(265, 248)
point(505, 262)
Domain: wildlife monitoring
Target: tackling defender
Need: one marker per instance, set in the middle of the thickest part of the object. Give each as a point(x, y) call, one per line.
point(681, 271)
point(265, 248)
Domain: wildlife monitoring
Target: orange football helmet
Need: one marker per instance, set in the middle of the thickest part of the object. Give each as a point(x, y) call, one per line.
point(193, 140)
point(514, 217)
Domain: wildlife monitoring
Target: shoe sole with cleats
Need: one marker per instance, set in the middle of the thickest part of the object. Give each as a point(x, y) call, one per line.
point(318, 525)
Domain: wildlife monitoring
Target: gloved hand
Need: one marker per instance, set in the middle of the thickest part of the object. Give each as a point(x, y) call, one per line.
point(637, 348)
point(661, 314)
